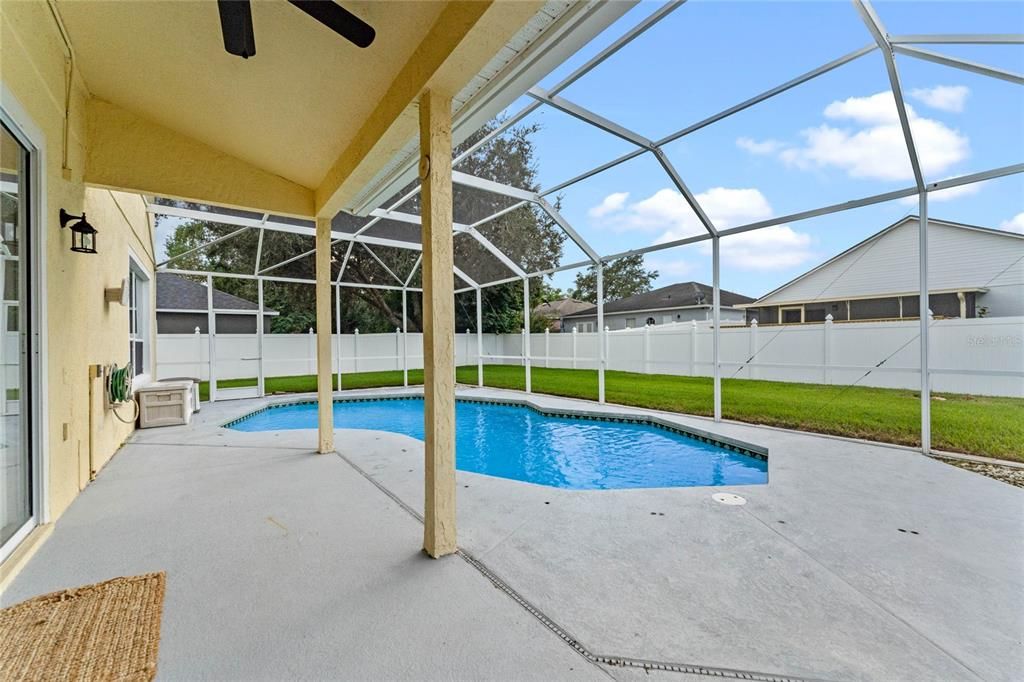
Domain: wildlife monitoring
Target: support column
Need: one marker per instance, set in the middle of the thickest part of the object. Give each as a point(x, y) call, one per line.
point(600, 332)
point(479, 340)
point(716, 307)
point(526, 333)
point(260, 374)
point(438, 324)
point(405, 338)
point(923, 308)
point(337, 327)
point(324, 396)
point(211, 338)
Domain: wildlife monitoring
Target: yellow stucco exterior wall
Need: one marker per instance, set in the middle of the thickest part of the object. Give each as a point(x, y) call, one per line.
point(82, 328)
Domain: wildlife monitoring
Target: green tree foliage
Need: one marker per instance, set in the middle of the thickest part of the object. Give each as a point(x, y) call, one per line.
point(527, 235)
point(622, 278)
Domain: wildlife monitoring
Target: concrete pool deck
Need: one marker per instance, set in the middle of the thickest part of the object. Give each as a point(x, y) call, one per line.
point(284, 565)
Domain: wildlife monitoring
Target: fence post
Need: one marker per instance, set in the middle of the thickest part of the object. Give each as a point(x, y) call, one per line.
point(547, 347)
point(574, 337)
point(398, 346)
point(753, 350)
point(693, 348)
point(607, 347)
point(827, 350)
point(199, 340)
point(355, 351)
point(312, 352)
point(647, 349)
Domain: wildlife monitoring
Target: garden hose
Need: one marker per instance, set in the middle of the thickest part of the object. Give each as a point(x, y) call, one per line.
point(119, 390)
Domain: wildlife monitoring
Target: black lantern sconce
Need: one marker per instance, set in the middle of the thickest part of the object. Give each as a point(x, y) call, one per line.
point(83, 235)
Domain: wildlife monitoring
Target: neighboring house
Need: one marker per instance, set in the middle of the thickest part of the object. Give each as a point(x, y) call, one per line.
point(555, 310)
point(675, 303)
point(181, 306)
point(972, 272)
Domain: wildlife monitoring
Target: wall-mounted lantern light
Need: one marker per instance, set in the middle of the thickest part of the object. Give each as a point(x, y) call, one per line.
point(83, 235)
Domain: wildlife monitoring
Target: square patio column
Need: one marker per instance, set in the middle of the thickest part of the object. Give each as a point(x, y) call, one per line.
point(438, 324)
point(324, 397)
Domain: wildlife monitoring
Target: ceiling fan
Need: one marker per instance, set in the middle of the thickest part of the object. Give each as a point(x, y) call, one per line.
point(239, 39)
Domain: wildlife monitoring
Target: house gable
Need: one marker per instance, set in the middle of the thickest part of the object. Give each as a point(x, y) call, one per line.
point(887, 263)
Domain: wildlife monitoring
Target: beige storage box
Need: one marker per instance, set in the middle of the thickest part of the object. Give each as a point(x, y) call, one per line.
point(165, 403)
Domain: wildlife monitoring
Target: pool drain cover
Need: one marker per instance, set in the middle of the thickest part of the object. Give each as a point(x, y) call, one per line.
point(729, 498)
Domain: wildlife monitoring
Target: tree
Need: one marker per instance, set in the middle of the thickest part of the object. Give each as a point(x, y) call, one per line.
point(624, 277)
point(526, 235)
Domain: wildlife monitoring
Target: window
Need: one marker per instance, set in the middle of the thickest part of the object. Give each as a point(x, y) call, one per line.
point(792, 315)
point(630, 322)
point(138, 318)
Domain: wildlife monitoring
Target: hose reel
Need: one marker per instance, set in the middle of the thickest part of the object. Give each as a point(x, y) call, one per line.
point(118, 389)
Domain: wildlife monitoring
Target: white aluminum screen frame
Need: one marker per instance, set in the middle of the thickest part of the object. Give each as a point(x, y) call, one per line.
point(888, 44)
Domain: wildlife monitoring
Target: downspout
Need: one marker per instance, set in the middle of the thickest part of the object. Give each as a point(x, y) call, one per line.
point(963, 305)
point(68, 82)
point(94, 373)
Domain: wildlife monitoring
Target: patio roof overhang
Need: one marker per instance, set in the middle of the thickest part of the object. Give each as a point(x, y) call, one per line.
point(308, 124)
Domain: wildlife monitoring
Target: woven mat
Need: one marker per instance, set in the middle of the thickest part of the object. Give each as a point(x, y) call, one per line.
point(106, 631)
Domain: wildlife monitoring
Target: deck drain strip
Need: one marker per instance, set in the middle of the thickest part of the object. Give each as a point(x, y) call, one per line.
point(562, 633)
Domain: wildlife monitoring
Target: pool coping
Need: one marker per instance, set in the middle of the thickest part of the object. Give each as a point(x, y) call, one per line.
point(728, 443)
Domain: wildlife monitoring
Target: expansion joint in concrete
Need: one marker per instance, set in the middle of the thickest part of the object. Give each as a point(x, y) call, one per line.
point(577, 646)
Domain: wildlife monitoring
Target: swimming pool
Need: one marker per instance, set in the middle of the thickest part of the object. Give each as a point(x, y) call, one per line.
point(523, 444)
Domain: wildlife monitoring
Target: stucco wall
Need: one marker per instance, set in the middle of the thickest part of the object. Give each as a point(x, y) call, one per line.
point(82, 329)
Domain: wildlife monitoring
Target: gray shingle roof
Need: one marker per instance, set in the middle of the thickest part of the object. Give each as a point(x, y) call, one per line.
point(177, 293)
point(672, 296)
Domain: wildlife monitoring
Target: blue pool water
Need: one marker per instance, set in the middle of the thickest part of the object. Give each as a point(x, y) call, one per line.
point(516, 442)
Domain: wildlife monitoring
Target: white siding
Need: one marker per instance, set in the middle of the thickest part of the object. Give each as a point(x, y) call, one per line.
point(958, 258)
point(616, 321)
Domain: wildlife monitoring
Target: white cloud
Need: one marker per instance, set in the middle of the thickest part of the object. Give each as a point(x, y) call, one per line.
point(873, 109)
point(946, 194)
point(1014, 224)
point(667, 212)
point(871, 144)
point(778, 247)
point(759, 148)
point(610, 204)
point(944, 97)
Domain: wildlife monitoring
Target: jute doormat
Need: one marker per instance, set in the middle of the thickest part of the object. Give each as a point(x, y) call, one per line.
point(105, 631)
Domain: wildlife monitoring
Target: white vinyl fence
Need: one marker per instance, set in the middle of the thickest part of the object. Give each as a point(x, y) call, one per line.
point(976, 356)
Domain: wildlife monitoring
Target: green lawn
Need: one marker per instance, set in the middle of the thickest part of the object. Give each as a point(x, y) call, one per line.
point(993, 427)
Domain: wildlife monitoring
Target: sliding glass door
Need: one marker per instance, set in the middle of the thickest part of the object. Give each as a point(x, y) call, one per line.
point(17, 476)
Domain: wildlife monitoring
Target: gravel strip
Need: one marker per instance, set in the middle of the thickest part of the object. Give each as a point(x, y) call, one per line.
point(1011, 475)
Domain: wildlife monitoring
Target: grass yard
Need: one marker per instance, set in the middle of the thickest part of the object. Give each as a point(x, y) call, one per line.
point(993, 427)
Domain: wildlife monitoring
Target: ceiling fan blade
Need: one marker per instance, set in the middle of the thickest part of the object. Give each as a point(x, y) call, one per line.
point(236, 24)
point(339, 20)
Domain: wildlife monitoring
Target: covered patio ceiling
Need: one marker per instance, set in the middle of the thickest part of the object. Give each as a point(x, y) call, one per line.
point(311, 122)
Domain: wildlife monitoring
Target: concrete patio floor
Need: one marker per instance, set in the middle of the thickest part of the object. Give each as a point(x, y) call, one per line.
point(283, 565)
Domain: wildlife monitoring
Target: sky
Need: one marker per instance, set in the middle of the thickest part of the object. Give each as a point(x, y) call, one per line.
point(830, 140)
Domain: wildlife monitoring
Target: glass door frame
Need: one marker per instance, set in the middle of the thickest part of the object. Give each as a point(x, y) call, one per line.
point(33, 276)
